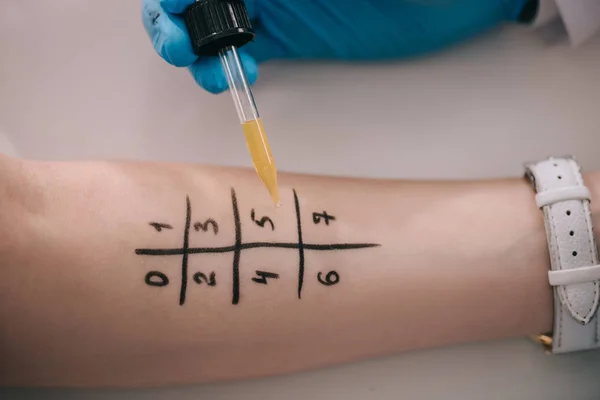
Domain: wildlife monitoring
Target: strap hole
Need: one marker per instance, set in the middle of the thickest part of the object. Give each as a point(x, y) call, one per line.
point(568, 212)
point(571, 233)
point(574, 253)
point(555, 164)
point(559, 177)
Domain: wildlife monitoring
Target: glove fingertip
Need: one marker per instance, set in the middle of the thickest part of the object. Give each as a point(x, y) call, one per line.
point(208, 74)
point(174, 55)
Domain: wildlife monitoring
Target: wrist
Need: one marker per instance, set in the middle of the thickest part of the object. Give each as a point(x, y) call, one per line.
point(486, 259)
point(523, 289)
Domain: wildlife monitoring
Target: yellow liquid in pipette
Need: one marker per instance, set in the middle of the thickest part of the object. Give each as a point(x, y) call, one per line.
point(260, 151)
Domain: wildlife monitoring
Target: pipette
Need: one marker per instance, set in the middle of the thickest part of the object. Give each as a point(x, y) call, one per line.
point(218, 28)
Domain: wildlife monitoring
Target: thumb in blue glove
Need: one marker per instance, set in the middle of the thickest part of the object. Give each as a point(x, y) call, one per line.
point(163, 20)
point(356, 30)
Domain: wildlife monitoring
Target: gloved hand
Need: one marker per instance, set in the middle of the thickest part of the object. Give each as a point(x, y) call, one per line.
point(328, 29)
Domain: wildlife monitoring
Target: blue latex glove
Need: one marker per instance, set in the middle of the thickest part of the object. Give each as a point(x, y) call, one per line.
point(356, 30)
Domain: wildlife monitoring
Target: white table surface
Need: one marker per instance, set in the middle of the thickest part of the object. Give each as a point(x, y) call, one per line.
point(79, 79)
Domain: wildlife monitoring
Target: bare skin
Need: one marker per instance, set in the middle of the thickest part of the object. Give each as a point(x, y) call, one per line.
point(455, 262)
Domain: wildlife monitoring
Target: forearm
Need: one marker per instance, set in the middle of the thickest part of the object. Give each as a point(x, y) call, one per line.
point(450, 262)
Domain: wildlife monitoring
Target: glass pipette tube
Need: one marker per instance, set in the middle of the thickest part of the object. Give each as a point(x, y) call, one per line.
point(252, 125)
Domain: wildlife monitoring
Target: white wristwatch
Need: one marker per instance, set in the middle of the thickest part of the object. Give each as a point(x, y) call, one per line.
point(574, 269)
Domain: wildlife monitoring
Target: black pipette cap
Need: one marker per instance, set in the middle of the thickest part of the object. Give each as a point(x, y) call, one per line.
point(215, 24)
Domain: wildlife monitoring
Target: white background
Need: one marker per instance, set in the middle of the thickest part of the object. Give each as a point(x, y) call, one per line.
point(79, 79)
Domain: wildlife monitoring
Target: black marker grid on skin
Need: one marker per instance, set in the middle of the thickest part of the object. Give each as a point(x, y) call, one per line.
point(185, 251)
point(300, 246)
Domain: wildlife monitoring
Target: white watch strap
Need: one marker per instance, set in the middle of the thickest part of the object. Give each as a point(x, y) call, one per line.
point(574, 270)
